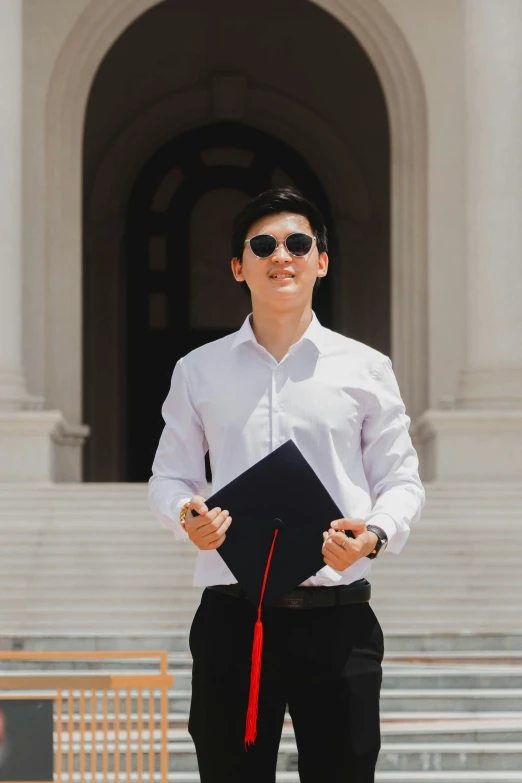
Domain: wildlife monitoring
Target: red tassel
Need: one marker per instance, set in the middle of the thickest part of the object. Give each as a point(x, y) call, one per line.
point(257, 652)
point(255, 676)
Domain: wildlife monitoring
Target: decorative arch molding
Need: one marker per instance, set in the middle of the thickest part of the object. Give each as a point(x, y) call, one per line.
point(93, 33)
point(280, 115)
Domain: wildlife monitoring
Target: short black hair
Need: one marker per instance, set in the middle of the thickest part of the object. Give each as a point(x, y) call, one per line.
point(274, 202)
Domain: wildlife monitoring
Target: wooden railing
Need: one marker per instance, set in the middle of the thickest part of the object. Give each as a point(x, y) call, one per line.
point(108, 727)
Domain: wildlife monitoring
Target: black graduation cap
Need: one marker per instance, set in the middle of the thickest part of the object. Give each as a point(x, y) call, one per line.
point(279, 509)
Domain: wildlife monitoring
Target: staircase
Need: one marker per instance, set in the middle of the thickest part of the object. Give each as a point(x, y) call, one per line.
point(88, 567)
point(450, 721)
point(449, 717)
point(89, 559)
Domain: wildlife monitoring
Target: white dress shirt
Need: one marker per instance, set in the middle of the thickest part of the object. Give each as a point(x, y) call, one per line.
point(335, 397)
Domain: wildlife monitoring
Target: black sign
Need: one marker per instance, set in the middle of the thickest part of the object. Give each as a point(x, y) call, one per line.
point(26, 740)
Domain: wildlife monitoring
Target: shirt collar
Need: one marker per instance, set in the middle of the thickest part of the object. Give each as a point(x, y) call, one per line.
point(315, 333)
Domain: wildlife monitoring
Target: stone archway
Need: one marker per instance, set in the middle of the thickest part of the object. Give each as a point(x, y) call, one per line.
point(122, 162)
point(93, 34)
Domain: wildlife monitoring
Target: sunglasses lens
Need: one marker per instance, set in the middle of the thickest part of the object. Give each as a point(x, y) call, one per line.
point(263, 245)
point(299, 244)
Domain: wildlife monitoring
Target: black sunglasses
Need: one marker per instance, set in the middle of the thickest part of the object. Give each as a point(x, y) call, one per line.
point(264, 245)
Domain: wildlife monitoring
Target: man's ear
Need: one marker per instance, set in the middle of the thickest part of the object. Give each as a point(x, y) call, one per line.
point(235, 263)
point(324, 265)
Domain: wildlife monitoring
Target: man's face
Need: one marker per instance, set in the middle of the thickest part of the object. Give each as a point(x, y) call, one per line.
point(259, 273)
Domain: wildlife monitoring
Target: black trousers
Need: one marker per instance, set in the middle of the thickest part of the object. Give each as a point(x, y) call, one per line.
point(324, 663)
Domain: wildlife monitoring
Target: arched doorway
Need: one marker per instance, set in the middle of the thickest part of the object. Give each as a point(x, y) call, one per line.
point(97, 31)
point(180, 289)
point(373, 301)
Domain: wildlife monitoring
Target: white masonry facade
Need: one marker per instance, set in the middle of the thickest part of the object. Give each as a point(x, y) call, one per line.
point(408, 114)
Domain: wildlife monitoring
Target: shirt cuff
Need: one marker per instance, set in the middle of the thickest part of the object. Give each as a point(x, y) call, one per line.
point(327, 573)
point(385, 522)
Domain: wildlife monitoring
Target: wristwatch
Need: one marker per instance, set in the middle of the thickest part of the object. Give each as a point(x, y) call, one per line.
point(382, 541)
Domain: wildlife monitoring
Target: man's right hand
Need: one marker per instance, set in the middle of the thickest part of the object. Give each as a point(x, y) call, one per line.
point(208, 530)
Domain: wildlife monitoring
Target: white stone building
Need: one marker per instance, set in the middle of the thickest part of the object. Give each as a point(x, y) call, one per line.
point(132, 130)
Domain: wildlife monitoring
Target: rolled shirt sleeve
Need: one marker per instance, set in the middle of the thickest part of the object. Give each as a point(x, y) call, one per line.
point(390, 461)
point(178, 470)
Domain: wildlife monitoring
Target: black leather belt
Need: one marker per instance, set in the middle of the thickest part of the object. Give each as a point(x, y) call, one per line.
point(310, 597)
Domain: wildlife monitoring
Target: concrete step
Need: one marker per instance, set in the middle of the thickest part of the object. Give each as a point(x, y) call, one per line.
point(452, 731)
point(292, 777)
point(448, 732)
point(412, 681)
point(55, 589)
point(391, 680)
point(407, 757)
point(442, 700)
point(434, 488)
point(396, 663)
point(467, 512)
point(448, 512)
point(394, 624)
point(164, 541)
point(405, 679)
point(397, 702)
point(80, 593)
point(58, 600)
point(95, 628)
point(428, 648)
point(37, 614)
point(396, 727)
point(164, 556)
point(451, 726)
point(393, 777)
point(67, 520)
point(154, 539)
point(402, 776)
point(446, 719)
point(53, 584)
point(92, 625)
point(442, 730)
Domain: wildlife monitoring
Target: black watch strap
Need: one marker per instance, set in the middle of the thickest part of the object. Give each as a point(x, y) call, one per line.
point(381, 542)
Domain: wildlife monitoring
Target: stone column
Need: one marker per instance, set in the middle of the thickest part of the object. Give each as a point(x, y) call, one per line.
point(12, 386)
point(35, 445)
point(493, 58)
point(481, 438)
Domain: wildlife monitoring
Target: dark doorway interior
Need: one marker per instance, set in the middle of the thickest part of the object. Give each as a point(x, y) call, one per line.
point(176, 247)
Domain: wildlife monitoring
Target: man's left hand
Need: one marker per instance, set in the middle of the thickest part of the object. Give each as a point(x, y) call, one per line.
point(340, 557)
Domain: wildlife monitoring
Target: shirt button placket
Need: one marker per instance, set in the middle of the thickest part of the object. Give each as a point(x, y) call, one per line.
point(275, 411)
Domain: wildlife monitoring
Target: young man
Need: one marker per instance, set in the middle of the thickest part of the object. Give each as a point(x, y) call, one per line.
point(282, 376)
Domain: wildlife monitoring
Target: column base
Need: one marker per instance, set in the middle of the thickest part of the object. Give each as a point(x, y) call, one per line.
point(469, 445)
point(40, 446)
point(13, 394)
